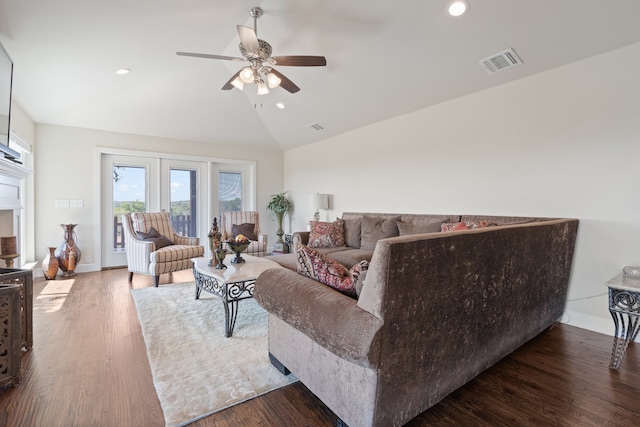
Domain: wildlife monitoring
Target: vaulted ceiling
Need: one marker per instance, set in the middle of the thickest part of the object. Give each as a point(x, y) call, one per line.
point(384, 59)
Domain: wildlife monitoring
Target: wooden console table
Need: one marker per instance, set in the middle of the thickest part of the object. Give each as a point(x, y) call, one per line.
point(24, 278)
point(10, 339)
point(624, 306)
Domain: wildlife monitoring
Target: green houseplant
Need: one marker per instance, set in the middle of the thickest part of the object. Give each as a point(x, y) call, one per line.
point(280, 205)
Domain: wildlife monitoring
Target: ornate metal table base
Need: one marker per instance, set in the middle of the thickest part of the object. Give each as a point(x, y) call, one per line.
point(624, 306)
point(230, 293)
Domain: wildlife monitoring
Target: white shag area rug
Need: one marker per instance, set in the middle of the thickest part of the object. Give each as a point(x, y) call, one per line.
point(196, 370)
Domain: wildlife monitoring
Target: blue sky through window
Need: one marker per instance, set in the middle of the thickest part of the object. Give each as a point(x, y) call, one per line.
point(131, 184)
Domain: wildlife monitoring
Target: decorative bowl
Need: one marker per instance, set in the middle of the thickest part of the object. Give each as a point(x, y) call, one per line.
point(238, 247)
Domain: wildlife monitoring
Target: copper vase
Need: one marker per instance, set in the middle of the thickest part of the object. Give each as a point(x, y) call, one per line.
point(68, 253)
point(50, 264)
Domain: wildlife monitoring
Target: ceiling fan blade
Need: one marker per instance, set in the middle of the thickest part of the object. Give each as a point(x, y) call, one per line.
point(228, 85)
point(285, 83)
point(208, 56)
point(301, 61)
point(249, 39)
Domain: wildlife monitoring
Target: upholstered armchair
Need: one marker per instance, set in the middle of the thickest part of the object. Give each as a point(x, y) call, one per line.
point(153, 247)
point(243, 222)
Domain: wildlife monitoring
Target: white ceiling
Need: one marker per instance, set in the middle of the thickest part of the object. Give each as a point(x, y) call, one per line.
point(384, 59)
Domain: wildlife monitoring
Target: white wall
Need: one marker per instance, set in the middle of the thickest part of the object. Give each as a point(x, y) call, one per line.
point(563, 143)
point(64, 163)
point(22, 124)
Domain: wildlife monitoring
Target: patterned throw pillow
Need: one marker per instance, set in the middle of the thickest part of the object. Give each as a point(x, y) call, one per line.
point(326, 234)
point(154, 236)
point(247, 229)
point(325, 270)
point(453, 226)
point(462, 225)
point(479, 224)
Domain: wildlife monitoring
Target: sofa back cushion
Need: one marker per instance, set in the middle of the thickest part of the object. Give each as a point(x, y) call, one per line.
point(352, 232)
point(415, 223)
point(432, 226)
point(375, 228)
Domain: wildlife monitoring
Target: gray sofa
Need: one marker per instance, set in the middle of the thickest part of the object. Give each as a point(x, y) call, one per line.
point(436, 309)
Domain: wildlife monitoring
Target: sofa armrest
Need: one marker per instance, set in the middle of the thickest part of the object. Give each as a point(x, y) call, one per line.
point(331, 319)
point(299, 237)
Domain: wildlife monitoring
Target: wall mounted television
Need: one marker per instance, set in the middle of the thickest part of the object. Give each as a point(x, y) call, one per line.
point(6, 82)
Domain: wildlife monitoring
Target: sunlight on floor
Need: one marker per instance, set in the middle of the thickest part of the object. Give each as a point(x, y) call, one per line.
point(53, 295)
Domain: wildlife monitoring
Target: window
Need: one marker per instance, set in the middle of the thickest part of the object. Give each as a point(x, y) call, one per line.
point(129, 195)
point(229, 191)
point(183, 201)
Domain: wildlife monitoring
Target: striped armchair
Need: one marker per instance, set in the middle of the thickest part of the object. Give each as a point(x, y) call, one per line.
point(257, 247)
point(142, 255)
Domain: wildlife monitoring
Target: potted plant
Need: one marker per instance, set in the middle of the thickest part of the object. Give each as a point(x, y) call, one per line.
point(280, 205)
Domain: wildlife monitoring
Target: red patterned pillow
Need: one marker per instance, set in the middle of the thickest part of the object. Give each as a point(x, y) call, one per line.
point(453, 226)
point(320, 267)
point(326, 234)
point(479, 224)
point(462, 225)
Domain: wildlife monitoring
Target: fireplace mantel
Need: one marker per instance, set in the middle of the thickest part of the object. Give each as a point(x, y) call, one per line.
point(14, 170)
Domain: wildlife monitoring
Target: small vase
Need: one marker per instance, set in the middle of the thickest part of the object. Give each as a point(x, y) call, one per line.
point(50, 264)
point(68, 253)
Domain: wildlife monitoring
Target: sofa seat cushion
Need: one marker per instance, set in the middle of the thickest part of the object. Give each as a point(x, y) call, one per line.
point(176, 252)
point(329, 318)
point(344, 255)
point(351, 257)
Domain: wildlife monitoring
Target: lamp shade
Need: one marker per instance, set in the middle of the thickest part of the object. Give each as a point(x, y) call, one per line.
point(246, 75)
point(237, 82)
point(262, 88)
point(319, 201)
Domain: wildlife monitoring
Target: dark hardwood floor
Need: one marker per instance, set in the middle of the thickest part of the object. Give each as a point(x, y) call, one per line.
point(89, 367)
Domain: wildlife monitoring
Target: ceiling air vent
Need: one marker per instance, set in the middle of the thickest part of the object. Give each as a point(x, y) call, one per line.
point(500, 61)
point(316, 126)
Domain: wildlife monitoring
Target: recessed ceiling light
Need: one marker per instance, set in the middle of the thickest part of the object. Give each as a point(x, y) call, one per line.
point(123, 71)
point(457, 7)
point(280, 105)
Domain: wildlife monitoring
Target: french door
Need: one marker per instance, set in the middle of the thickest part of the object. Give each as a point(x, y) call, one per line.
point(145, 184)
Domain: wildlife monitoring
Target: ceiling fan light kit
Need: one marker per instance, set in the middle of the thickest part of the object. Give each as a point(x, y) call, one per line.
point(257, 52)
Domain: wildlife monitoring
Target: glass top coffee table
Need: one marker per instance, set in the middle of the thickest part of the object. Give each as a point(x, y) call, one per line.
point(232, 284)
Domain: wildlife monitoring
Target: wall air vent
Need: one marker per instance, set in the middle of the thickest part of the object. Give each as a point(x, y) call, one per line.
point(316, 126)
point(500, 61)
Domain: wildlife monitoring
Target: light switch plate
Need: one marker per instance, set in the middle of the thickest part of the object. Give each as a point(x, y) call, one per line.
point(76, 203)
point(62, 203)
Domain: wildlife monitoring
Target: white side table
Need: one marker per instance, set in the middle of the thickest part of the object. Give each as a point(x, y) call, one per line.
point(624, 306)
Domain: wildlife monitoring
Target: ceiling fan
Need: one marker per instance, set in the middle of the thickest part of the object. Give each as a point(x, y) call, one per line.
point(260, 69)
